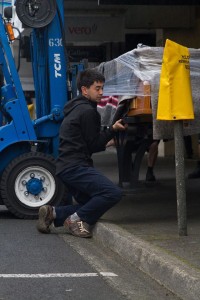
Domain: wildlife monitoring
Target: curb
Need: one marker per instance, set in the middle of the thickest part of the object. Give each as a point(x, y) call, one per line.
point(168, 271)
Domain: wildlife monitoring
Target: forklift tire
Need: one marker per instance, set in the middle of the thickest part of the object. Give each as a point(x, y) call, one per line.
point(29, 182)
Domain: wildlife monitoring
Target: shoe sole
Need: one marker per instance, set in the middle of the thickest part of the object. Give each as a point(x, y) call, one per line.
point(77, 235)
point(41, 226)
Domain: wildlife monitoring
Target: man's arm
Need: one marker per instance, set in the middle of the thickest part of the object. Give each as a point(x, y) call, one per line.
point(95, 138)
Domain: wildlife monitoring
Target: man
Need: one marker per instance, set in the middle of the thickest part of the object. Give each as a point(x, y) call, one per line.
point(151, 160)
point(80, 137)
point(196, 172)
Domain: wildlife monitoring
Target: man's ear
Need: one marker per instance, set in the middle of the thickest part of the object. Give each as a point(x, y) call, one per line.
point(84, 91)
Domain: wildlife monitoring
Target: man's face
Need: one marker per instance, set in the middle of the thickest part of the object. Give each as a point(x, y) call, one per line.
point(94, 92)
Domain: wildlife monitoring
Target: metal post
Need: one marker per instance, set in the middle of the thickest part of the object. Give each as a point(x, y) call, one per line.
point(180, 178)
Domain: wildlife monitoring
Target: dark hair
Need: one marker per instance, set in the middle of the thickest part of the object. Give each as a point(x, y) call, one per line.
point(88, 77)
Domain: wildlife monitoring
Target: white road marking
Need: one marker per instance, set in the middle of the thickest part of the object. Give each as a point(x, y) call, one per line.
point(108, 274)
point(57, 275)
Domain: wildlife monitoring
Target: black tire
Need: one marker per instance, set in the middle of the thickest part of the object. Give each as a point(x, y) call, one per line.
point(14, 188)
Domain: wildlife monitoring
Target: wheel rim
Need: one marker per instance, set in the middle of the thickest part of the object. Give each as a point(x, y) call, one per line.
point(35, 186)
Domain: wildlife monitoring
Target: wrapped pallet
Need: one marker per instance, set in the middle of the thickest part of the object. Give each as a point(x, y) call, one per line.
point(143, 64)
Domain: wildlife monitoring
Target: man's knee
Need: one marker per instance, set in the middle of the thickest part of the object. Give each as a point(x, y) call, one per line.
point(116, 194)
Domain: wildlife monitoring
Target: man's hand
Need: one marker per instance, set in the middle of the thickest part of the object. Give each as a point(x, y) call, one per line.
point(119, 125)
point(110, 143)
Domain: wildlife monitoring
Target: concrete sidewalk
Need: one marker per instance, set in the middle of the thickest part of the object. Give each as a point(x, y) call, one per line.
point(143, 227)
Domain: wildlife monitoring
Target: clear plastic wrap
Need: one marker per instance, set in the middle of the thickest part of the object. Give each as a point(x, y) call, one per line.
point(124, 73)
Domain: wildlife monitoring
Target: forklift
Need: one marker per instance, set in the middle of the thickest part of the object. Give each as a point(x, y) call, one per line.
point(28, 148)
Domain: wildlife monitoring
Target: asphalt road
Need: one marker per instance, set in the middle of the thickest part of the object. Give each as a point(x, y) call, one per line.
point(59, 266)
point(37, 266)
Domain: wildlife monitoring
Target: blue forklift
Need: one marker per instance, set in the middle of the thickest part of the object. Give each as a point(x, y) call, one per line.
point(28, 148)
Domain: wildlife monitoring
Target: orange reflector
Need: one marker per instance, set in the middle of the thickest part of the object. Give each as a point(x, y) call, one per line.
point(10, 31)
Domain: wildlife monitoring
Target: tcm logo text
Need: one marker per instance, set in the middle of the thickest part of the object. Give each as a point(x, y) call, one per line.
point(57, 65)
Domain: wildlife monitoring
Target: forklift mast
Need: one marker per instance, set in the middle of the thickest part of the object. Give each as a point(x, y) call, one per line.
point(49, 63)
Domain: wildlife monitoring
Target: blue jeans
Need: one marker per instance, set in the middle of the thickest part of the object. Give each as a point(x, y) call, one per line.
point(93, 192)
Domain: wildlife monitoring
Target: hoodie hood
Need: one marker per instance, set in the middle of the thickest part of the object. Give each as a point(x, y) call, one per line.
point(80, 100)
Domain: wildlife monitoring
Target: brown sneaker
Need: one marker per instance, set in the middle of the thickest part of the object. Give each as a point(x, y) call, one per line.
point(45, 218)
point(78, 228)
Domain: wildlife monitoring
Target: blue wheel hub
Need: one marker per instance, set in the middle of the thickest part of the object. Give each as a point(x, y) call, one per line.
point(34, 186)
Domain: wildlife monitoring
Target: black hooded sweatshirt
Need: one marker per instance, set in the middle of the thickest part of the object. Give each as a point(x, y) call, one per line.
point(80, 134)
